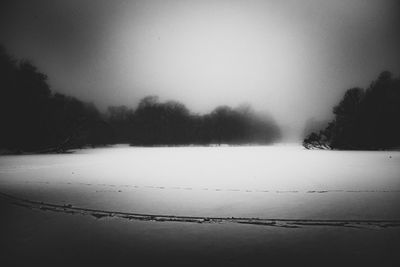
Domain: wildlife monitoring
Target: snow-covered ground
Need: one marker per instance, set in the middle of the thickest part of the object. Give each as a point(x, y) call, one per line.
point(283, 181)
point(271, 182)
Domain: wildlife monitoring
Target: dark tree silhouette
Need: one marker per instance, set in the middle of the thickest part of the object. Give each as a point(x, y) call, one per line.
point(120, 119)
point(35, 119)
point(364, 119)
point(171, 123)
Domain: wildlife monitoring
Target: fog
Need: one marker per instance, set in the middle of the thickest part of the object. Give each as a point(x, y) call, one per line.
point(292, 59)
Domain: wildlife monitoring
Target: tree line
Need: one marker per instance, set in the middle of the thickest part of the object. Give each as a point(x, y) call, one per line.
point(364, 119)
point(33, 118)
point(171, 123)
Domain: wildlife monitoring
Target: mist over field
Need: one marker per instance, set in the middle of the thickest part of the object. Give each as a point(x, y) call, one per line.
point(291, 59)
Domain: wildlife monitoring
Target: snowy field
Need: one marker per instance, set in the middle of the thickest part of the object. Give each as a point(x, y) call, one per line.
point(268, 182)
point(284, 182)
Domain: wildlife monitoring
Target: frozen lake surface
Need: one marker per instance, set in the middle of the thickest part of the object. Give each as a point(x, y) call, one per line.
point(283, 181)
point(271, 182)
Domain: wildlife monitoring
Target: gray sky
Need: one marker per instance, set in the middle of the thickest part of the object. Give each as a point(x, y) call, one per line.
point(291, 58)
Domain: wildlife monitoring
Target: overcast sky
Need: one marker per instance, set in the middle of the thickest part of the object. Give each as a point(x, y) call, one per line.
point(291, 58)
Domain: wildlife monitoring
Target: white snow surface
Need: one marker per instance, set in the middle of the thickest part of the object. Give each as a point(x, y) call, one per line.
point(281, 181)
